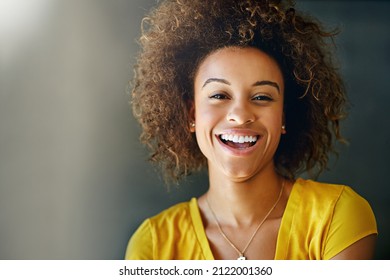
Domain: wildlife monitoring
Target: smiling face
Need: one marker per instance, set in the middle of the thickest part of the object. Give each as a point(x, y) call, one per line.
point(238, 111)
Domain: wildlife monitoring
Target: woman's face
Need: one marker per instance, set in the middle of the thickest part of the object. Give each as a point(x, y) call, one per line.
point(238, 111)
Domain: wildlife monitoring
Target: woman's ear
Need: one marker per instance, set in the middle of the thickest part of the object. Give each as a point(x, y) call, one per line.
point(284, 131)
point(191, 115)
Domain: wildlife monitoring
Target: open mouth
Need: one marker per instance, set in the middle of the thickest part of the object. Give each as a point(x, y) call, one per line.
point(240, 142)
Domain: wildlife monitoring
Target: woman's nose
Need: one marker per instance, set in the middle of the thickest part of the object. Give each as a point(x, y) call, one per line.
point(241, 114)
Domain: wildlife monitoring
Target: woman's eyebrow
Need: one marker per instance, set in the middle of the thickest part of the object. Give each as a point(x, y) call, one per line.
point(223, 81)
point(258, 83)
point(267, 83)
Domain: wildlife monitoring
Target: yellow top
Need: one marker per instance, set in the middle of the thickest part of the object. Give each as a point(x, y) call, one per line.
point(320, 220)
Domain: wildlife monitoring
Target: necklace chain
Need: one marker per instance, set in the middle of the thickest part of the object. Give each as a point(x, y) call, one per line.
point(241, 253)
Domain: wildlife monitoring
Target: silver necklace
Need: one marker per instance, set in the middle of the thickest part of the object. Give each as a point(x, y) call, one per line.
point(241, 253)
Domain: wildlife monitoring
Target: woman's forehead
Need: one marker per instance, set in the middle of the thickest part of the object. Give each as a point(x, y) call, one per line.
point(234, 63)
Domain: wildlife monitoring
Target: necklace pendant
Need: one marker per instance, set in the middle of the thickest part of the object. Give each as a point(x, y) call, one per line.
point(241, 258)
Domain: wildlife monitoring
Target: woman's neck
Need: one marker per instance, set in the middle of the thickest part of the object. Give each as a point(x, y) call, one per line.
point(241, 203)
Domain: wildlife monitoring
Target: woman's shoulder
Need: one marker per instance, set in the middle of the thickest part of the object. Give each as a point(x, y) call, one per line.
point(174, 214)
point(160, 231)
point(326, 192)
point(322, 219)
point(335, 201)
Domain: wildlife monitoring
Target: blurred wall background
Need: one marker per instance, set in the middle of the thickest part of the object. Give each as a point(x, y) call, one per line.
point(74, 180)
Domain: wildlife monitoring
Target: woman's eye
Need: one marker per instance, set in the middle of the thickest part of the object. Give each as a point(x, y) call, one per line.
point(262, 98)
point(218, 96)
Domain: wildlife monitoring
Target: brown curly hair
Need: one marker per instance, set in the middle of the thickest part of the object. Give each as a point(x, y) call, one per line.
point(178, 34)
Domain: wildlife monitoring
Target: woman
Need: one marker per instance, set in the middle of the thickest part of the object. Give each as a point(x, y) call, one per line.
point(248, 89)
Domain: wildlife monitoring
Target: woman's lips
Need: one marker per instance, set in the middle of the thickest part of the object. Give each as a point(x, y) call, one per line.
point(238, 144)
point(238, 141)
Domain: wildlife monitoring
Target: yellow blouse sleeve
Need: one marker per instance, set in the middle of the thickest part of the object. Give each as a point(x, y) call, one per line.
point(140, 246)
point(352, 220)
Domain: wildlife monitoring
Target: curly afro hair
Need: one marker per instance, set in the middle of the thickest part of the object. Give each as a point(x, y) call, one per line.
point(178, 34)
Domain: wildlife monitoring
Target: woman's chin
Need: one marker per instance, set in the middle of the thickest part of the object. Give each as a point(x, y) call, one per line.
point(239, 175)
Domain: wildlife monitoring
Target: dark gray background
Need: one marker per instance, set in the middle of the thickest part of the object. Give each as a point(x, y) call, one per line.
point(74, 180)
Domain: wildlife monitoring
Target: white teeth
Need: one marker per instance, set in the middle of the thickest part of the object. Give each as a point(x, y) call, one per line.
point(238, 139)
